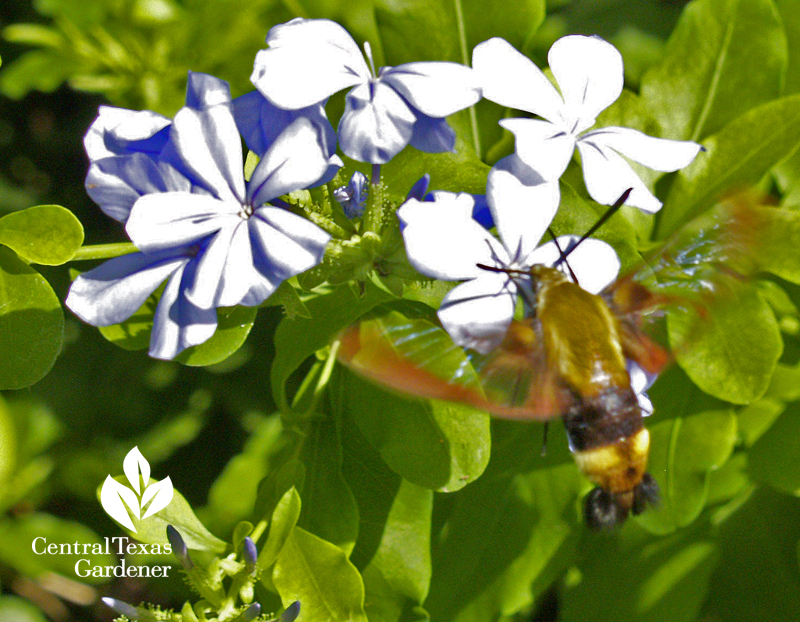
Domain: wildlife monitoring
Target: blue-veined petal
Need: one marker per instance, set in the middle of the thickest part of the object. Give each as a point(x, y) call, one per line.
point(477, 313)
point(432, 135)
point(115, 290)
point(542, 145)
point(178, 324)
point(295, 160)
point(376, 125)
point(589, 73)
point(660, 154)
point(510, 79)
point(437, 89)
point(307, 61)
point(171, 219)
point(213, 274)
point(208, 142)
point(116, 183)
point(523, 205)
point(607, 175)
point(444, 242)
point(594, 263)
point(260, 122)
point(284, 245)
point(118, 131)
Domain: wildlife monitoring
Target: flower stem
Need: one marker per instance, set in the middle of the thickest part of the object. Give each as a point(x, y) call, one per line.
point(103, 251)
point(462, 41)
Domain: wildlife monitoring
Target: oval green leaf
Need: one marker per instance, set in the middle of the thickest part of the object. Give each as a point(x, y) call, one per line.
point(723, 58)
point(731, 350)
point(683, 452)
point(31, 323)
point(46, 234)
point(319, 575)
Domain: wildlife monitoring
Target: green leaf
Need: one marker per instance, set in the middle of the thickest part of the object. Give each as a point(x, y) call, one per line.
point(487, 561)
point(319, 575)
point(484, 20)
point(31, 323)
point(297, 339)
point(729, 351)
point(45, 234)
point(283, 521)
point(739, 155)
point(400, 24)
point(233, 326)
point(791, 25)
point(683, 451)
point(773, 457)
point(724, 58)
point(777, 235)
point(400, 572)
point(757, 577)
point(329, 508)
point(374, 487)
point(8, 447)
point(179, 514)
point(434, 444)
point(642, 579)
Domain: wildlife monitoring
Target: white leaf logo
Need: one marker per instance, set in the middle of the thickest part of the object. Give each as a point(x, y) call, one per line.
point(121, 502)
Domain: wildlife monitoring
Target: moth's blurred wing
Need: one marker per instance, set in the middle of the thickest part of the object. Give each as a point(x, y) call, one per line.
point(416, 356)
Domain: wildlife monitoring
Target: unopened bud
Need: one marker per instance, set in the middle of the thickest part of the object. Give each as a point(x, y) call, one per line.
point(179, 547)
point(122, 608)
point(291, 612)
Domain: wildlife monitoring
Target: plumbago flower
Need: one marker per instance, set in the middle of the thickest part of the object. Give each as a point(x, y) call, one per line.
point(589, 73)
point(216, 240)
point(477, 312)
point(308, 60)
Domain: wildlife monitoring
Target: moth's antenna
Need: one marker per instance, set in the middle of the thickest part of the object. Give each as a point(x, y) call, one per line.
point(563, 255)
point(600, 222)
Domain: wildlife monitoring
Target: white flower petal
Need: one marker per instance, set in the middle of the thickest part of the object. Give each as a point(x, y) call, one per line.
point(437, 89)
point(477, 313)
point(594, 262)
point(178, 324)
point(660, 154)
point(115, 290)
point(523, 206)
point(607, 175)
point(211, 148)
point(510, 79)
point(443, 241)
point(376, 125)
point(589, 73)
point(296, 160)
point(542, 145)
point(172, 219)
point(307, 61)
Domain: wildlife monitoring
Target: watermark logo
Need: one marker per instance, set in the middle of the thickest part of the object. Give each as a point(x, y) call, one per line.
point(142, 499)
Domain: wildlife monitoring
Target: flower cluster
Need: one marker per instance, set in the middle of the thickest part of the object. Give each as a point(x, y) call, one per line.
point(206, 237)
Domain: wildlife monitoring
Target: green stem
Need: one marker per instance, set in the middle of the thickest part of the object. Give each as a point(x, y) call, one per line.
point(103, 251)
point(462, 41)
